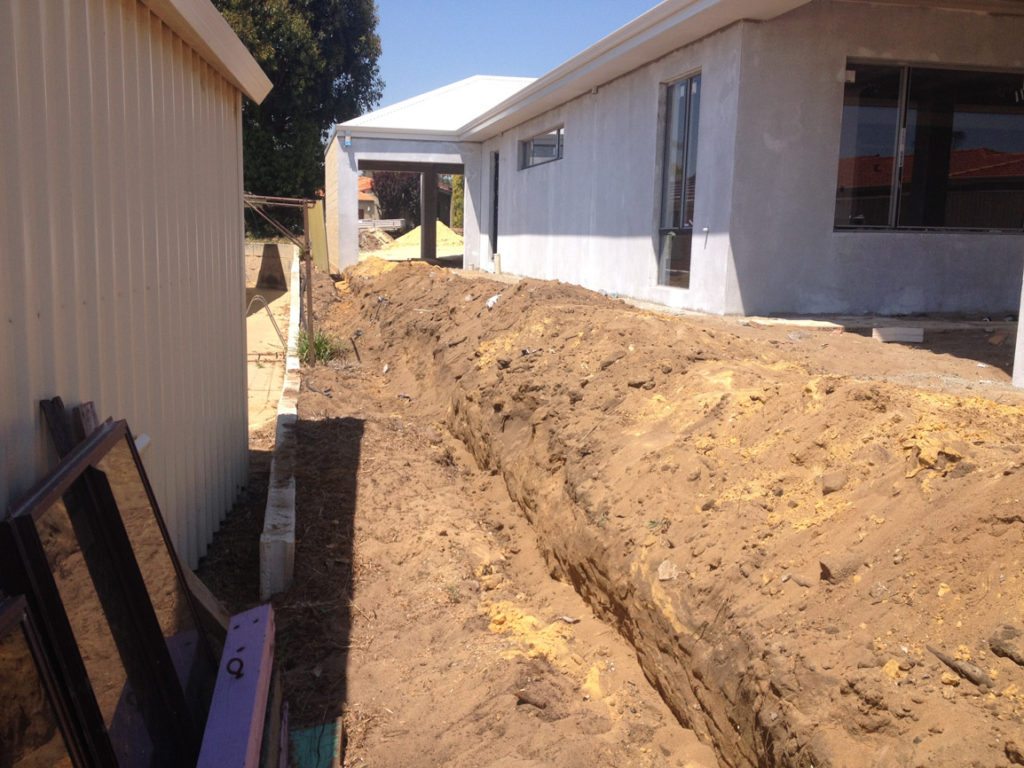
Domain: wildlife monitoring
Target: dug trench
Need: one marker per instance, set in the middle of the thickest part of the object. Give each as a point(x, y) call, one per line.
point(810, 541)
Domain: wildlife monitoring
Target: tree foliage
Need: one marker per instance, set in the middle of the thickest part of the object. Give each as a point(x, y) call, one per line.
point(321, 56)
point(458, 191)
point(399, 195)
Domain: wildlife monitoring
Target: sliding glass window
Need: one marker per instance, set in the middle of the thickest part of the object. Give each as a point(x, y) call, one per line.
point(682, 116)
point(545, 148)
point(927, 148)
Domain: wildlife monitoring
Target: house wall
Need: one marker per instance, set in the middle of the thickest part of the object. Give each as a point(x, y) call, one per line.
point(785, 255)
point(342, 192)
point(123, 272)
point(332, 220)
point(592, 217)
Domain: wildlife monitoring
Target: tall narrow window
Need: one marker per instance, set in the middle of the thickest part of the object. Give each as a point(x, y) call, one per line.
point(931, 148)
point(682, 113)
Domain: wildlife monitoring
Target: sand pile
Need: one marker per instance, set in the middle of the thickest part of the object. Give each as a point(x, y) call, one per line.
point(445, 237)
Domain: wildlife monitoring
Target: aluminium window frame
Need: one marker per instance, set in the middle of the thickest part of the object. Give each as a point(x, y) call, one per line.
point(526, 147)
point(24, 569)
point(15, 616)
point(905, 67)
point(665, 139)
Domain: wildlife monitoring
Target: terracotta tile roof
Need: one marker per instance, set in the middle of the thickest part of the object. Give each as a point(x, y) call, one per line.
point(980, 163)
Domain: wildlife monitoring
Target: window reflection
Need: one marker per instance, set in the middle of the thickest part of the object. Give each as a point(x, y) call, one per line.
point(190, 653)
point(867, 145)
point(679, 192)
point(948, 145)
point(89, 623)
point(29, 734)
point(964, 162)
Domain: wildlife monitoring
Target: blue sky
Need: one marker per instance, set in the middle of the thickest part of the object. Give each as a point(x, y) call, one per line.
point(430, 43)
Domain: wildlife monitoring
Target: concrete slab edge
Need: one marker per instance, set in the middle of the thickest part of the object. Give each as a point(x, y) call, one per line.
point(277, 542)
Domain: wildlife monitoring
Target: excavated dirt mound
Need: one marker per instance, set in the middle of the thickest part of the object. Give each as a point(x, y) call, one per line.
point(374, 239)
point(817, 562)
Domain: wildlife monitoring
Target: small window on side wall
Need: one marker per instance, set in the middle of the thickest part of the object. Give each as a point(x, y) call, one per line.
point(543, 148)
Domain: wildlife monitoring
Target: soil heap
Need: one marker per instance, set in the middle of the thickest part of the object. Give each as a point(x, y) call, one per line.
point(817, 562)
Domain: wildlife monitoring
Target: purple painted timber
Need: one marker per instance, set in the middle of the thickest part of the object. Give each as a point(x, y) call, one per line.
point(234, 730)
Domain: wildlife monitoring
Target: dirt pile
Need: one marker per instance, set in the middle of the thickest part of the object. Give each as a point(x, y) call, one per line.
point(374, 239)
point(814, 561)
point(445, 237)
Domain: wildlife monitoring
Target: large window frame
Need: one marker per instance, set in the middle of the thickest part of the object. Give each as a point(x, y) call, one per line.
point(899, 97)
point(172, 709)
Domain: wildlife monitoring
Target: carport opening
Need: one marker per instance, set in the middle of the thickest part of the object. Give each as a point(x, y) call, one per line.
point(429, 176)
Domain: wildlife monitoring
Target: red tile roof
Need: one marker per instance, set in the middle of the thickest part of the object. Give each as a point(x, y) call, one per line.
point(981, 163)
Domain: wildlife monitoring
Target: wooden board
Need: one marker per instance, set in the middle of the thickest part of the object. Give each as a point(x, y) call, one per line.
point(234, 729)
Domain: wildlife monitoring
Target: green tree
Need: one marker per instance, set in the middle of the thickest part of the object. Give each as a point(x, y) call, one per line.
point(458, 190)
point(399, 195)
point(321, 56)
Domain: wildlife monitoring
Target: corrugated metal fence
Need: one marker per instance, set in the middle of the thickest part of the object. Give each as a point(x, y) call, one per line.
point(122, 276)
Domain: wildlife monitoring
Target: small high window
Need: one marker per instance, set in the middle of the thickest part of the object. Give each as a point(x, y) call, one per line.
point(929, 148)
point(544, 148)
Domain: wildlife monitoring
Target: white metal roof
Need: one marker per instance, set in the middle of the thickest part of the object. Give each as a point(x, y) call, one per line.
point(440, 113)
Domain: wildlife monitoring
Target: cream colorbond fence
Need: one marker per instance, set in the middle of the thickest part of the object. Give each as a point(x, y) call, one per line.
point(121, 232)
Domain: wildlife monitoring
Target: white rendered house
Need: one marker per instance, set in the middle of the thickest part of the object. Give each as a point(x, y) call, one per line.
point(740, 157)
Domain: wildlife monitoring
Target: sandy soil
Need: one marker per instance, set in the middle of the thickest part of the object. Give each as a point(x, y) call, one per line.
point(810, 541)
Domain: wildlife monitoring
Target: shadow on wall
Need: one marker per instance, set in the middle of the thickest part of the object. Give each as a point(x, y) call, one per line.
point(265, 266)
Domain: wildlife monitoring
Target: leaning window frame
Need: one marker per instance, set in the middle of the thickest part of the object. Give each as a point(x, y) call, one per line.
point(15, 616)
point(526, 148)
point(85, 489)
point(899, 147)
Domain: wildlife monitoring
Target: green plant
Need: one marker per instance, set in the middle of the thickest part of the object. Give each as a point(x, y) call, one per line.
point(323, 349)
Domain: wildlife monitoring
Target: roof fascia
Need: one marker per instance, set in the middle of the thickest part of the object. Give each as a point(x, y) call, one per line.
point(342, 130)
point(667, 27)
point(200, 25)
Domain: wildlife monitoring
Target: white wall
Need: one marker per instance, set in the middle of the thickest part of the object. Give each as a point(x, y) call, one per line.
point(332, 219)
point(123, 274)
point(592, 217)
point(786, 256)
point(342, 191)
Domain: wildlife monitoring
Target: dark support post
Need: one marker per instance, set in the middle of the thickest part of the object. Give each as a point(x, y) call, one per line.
point(428, 215)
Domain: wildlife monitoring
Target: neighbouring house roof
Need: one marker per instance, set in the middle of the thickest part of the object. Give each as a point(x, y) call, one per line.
point(479, 107)
point(200, 25)
point(365, 184)
point(439, 113)
point(367, 197)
